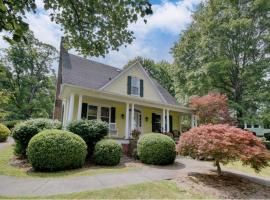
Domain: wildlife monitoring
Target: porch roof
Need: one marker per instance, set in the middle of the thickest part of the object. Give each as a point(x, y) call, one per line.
point(67, 89)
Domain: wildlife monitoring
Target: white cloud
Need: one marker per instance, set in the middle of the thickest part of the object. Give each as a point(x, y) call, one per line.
point(168, 18)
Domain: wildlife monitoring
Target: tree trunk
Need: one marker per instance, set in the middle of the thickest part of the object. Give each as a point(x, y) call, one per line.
point(218, 167)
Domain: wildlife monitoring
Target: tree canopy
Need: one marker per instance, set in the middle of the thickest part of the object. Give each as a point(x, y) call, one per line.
point(226, 49)
point(92, 27)
point(27, 81)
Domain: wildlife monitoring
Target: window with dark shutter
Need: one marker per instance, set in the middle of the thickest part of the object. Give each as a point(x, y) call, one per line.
point(141, 88)
point(129, 85)
point(84, 111)
point(112, 114)
point(171, 123)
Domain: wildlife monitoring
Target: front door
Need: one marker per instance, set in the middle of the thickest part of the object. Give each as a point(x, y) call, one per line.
point(137, 121)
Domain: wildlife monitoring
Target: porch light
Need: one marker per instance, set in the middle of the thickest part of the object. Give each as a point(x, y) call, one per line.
point(122, 116)
point(146, 119)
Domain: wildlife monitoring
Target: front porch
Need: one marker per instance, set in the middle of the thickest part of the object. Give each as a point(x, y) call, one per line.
point(123, 114)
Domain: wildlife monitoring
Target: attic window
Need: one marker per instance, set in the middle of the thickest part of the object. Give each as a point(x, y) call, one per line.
point(135, 86)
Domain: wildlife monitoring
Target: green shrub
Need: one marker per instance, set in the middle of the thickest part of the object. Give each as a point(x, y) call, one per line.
point(91, 131)
point(4, 133)
point(157, 149)
point(107, 152)
point(267, 136)
point(52, 150)
point(24, 131)
point(10, 124)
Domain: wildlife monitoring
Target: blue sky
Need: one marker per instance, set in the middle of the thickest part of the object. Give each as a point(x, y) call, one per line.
point(153, 40)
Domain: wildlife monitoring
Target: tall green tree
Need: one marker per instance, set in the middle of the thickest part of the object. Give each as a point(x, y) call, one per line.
point(226, 49)
point(93, 27)
point(160, 71)
point(27, 80)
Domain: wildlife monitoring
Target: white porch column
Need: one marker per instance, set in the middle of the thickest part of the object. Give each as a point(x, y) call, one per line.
point(163, 121)
point(245, 125)
point(168, 121)
point(132, 117)
point(79, 113)
point(71, 107)
point(64, 106)
point(127, 121)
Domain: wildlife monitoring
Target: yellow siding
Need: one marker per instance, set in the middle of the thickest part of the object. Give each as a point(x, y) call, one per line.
point(119, 86)
point(121, 109)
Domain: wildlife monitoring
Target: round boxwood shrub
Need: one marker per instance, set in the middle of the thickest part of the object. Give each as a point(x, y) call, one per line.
point(10, 124)
point(4, 133)
point(91, 131)
point(107, 152)
point(52, 150)
point(24, 131)
point(157, 149)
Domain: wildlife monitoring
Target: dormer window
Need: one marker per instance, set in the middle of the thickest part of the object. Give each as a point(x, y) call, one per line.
point(135, 86)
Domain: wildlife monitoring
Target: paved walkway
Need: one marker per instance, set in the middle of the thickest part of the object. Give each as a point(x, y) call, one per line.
point(8, 142)
point(15, 186)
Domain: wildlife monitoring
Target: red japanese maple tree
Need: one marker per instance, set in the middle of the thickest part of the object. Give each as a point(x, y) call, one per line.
point(212, 108)
point(224, 143)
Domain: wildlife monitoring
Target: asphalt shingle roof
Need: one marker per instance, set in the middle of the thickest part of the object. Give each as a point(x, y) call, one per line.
point(91, 74)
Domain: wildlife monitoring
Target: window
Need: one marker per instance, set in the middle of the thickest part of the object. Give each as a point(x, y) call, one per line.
point(256, 126)
point(105, 114)
point(92, 112)
point(248, 126)
point(135, 86)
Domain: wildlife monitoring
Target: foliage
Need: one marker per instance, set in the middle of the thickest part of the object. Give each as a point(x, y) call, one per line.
point(136, 134)
point(53, 150)
point(267, 144)
point(226, 50)
point(26, 79)
point(160, 71)
point(92, 27)
point(90, 130)
point(157, 149)
point(211, 108)
point(10, 124)
point(224, 144)
point(4, 133)
point(107, 152)
point(24, 131)
point(267, 136)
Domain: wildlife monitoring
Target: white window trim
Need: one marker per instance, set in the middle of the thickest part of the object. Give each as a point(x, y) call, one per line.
point(99, 114)
point(139, 86)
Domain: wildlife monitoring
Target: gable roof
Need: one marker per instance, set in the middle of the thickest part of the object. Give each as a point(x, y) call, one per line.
point(94, 75)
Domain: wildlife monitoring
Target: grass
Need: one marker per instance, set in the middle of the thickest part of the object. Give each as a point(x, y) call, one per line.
point(6, 169)
point(246, 169)
point(151, 190)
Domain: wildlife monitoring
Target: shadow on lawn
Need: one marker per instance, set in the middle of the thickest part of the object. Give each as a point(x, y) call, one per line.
point(228, 185)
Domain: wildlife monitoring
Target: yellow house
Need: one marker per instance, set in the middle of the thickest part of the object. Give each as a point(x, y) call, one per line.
point(127, 99)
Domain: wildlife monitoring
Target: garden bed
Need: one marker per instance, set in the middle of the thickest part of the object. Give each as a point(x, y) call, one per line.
point(225, 186)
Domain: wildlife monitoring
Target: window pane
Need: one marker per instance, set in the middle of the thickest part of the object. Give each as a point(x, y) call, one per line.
point(92, 110)
point(92, 117)
point(134, 90)
point(105, 112)
point(105, 119)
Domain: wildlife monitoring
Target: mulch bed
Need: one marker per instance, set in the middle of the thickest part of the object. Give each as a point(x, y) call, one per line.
point(224, 186)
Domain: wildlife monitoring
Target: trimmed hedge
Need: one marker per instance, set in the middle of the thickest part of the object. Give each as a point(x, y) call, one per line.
point(53, 150)
point(4, 133)
point(156, 149)
point(24, 131)
point(91, 131)
point(107, 152)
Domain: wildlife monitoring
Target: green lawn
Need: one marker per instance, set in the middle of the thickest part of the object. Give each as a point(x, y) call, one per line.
point(6, 169)
point(152, 190)
point(246, 169)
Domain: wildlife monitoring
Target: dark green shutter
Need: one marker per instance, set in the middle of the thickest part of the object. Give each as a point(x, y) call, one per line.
point(153, 122)
point(141, 88)
point(129, 85)
point(84, 111)
point(112, 114)
point(171, 124)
